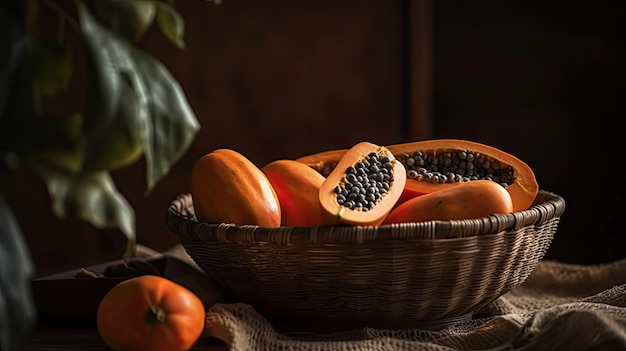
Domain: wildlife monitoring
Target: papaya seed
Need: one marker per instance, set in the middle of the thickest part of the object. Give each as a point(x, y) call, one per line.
point(365, 182)
point(455, 166)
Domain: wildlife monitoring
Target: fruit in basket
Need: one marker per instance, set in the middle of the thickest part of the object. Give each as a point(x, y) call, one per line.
point(463, 160)
point(467, 200)
point(150, 313)
point(414, 188)
point(226, 187)
point(297, 187)
point(364, 186)
point(438, 164)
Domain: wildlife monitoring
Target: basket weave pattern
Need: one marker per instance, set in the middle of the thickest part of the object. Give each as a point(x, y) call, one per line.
point(391, 276)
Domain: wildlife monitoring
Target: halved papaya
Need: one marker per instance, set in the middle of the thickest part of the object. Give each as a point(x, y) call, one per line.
point(485, 162)
point(467, 161)
point(364, 186)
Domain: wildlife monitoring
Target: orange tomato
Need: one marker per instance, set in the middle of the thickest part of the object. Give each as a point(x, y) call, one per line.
point(150, 313)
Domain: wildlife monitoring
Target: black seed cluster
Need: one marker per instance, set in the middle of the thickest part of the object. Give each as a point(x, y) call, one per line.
point(455, 166)
point(365, 183)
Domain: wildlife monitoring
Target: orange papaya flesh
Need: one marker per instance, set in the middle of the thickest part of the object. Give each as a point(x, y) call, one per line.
point(324, 162)
point(364, 186)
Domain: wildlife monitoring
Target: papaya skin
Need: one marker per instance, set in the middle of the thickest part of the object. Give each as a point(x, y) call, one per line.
point(523, 190)
point(297, 187)
point(414, 188)
point(468, 200)
point(226, 187)
point(375, 216)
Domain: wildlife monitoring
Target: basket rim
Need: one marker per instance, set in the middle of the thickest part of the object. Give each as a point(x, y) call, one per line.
point(181, 220)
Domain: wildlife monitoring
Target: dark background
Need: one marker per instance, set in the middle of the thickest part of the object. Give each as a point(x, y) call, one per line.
point(281, 79)
point(546, 83)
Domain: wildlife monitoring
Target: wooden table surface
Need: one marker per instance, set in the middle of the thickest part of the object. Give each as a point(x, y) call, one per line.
point(51, 335)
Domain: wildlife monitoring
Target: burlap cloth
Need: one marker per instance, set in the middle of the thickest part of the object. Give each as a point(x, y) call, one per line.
point(559, 307)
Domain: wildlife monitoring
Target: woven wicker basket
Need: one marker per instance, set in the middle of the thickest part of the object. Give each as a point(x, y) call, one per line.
point(392, 276)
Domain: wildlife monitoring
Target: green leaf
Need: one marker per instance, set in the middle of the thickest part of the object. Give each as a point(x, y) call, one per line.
point(91, 197)
point(171, 23)
point(120, 142)
point(117, 115)
point(151, 109)
point(128, 18)
point(17, 308)
point(173, 122)
point(103, 81)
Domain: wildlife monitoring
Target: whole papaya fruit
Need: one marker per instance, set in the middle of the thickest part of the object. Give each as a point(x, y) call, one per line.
point(226, 187)
point(467, 200)
point(297, 187)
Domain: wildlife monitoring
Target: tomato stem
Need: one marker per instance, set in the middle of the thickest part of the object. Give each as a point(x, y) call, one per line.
point(154, 315)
